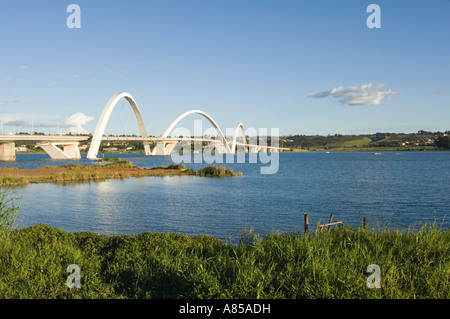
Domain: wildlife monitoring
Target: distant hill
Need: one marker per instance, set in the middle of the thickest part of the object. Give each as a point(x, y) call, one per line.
point(422, 140)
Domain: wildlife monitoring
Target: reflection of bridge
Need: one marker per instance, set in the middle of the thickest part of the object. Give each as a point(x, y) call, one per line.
point(164, 143)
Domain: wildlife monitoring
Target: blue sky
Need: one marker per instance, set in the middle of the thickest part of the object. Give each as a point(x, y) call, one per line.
point(305, 67)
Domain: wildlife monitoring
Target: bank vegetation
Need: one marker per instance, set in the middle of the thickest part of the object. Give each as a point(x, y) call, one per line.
point(104, 169)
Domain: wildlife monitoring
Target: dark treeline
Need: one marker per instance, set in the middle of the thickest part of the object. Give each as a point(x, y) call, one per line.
point(422, 138)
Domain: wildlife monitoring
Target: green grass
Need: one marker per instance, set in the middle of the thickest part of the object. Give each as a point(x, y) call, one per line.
point(12, 180)
point(213, 171)
point(33, 263)
point(116, 162)
point(9, 209)
point(360, 142)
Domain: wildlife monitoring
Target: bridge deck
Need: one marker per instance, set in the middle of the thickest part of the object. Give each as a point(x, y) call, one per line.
point(179, 139)
point(41, 138)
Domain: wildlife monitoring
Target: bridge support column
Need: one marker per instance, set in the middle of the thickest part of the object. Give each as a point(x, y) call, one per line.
point(219, 148)
point(254, 149)
point(7, 152)
point(147, 148)
point(71, 150)
point(241, 149)
point(160, 149)
point(163, 148)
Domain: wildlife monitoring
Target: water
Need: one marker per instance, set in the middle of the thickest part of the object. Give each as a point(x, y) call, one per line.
point(395, 189)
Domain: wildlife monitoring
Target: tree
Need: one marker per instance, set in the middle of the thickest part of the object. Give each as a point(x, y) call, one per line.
point(443, 142)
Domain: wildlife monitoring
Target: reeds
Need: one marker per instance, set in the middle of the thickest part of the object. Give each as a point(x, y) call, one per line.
point(327, 264)
point(9, 210)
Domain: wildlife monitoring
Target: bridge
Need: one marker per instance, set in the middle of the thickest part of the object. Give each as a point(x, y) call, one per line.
point(164, 143)
point(49, 143)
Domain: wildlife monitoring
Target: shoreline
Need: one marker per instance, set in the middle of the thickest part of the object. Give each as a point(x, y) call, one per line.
point(75, 173)
point(18, 176)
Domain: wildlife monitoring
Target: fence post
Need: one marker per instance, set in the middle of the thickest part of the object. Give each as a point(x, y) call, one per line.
point(306, 223)
point(329, 222)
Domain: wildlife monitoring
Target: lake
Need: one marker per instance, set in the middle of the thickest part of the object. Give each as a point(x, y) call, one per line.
point(393, 189)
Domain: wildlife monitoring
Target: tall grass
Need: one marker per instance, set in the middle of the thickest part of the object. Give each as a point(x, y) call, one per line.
point(331, 264)
point(9, 210)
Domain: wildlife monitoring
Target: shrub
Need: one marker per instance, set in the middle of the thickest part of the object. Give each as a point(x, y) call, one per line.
point(8, 209)
point(214, 171)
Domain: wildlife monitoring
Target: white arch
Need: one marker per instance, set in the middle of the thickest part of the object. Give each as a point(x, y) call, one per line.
point(234, 141)
point(209, 118)
point(101, 125)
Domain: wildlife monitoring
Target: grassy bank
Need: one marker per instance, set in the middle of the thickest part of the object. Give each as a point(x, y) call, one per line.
point(420, 141)
point(106, 169)
point(332, 264)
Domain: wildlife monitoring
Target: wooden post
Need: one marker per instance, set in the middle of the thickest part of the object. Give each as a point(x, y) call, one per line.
point(331, 218)
point(364, 222)
point(306, 223)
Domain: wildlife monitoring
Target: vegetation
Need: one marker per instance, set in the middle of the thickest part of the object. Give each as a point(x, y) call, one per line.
point(331, 264)
point(420, 141)
point(9, 210)
point(214, 171)
point(113, 168)
point(443, 142)
point(171, 166)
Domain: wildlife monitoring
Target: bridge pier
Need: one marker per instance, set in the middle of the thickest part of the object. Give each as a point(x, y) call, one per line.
point(147, 148)
point(163, 148)
point(254, 149)
point(218, 147)
point(7, 152)
point(70, 150)
point(242, 149)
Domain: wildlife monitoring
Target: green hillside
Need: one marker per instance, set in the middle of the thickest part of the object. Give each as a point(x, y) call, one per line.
point(419, 141)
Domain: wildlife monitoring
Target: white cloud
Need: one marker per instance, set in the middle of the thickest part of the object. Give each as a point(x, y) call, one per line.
point(25, 121)
point(26, 100)
point(10, 78)
point(76, 121)
point(367, 94)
